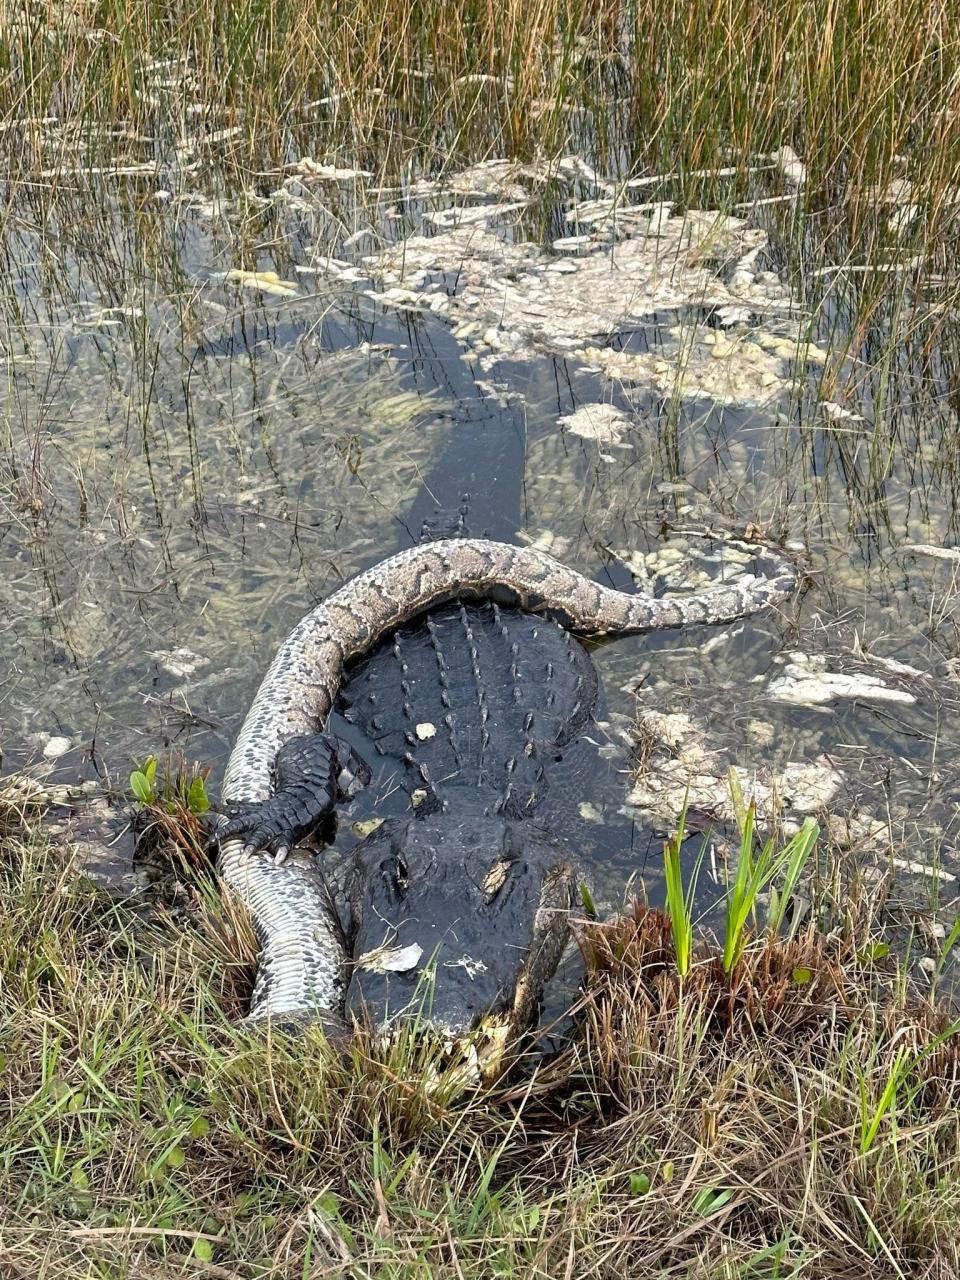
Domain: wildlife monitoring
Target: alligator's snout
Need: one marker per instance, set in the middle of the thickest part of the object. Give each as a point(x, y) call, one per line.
point(458, 920)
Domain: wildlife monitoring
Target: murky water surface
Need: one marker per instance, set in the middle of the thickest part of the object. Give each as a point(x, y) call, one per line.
point(192, 454)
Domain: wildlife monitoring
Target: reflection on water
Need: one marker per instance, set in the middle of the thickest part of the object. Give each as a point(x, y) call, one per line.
point(188, 463)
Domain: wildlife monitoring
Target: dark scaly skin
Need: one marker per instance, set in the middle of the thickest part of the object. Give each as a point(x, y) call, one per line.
point(303, 959)
point(476, 704)
point(484, 900)
point(498, 693)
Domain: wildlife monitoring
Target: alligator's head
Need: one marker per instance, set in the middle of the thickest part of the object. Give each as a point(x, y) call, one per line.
point(458, 920)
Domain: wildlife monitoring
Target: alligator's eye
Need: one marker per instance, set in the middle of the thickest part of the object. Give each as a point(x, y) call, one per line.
point(495, 879)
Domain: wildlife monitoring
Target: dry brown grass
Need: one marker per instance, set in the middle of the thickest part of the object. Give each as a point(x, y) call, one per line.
point(702, 1127)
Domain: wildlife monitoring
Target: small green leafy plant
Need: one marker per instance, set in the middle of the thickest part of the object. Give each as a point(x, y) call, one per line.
point(143, 781)
point(757, 871)
point(679, 904)
point(182, 786)
point(173, 804)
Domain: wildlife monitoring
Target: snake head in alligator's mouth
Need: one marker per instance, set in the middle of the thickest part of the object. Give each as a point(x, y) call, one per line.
point(457, 921)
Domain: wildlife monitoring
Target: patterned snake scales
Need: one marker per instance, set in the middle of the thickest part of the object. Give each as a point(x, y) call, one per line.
point(302, 961)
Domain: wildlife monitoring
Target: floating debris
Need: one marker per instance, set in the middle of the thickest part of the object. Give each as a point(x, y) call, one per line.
point(568, 243)
point(503, 179)
point(599, 422)
point(680, 759)
point(614, 217)
point(425, 731)
point(898, 668)
point(510, 284)
point(806, 682)
point(682, 566)
point(118, 169)
point(705, 364)
point(714, 368)
point(110, 317)
point(391, 959)
point(366, 827)
point(338, 269)
point(481, 77)
point(178, 662)
point(837, 413)
point(491, 179)
point(634, 561)
point(554, 544)
point(224, 135)
point(902, 219)
point(210, 207)
point(317, 169)
point(730, 317)
point(515, 298)
point(936, 553)
point(897, 191)
point(907, 201)
point(56, 747)
point(472, 215)
point(923, 869)
point(468, 964)
point(681, 767)
point(408, 299)
point(790, 165)
point(261, 281)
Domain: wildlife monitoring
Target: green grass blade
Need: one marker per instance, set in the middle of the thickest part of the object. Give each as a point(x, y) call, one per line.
point(679, 904)
point(793, 858)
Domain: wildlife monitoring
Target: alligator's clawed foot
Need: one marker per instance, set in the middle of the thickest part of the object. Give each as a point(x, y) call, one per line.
point(312, 773)
point(271, 826)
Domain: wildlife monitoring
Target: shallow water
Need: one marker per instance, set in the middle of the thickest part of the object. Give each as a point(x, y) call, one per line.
point(187, 464)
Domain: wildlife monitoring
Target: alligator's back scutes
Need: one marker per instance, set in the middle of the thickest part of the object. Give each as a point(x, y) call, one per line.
point(475, 696)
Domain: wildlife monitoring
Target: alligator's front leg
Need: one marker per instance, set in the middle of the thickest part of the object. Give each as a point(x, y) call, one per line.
point(311, 773)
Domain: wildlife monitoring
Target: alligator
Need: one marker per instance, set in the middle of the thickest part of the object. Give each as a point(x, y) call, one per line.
point(456, 911)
